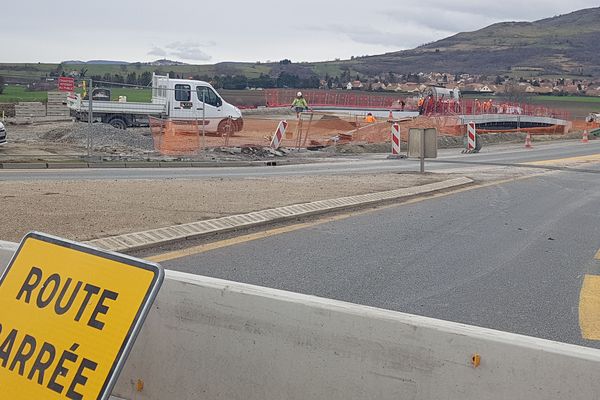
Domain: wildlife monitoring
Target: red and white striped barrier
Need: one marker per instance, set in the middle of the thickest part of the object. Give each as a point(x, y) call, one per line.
point(471, 136)
point(528, 144)
point(278, 136)
point(396, 140)
point(586, 137)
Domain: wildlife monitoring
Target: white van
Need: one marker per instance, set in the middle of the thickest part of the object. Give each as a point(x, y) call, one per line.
point(177, 99)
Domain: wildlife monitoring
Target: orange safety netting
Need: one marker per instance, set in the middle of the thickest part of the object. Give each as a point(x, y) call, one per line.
point(310, 130)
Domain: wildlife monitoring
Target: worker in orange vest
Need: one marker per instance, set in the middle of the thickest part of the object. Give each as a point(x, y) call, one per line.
point(420, 104)
point(370, 119)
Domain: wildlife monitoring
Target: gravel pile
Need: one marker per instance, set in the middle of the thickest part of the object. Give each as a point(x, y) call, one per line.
point(104, 137)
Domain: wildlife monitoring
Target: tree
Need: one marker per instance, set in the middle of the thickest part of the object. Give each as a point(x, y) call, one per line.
point(285, 62)
point(514, 93)
point(287, 80)
point(132, 78)
point(1, 84)
point(145, 78)
point(391, 78)
point(236, 82)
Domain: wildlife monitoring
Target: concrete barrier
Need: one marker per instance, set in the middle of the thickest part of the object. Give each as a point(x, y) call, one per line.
point(211, 339)
point(6, 252)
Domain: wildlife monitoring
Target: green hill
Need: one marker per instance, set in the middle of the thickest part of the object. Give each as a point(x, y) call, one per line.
point(566, 44)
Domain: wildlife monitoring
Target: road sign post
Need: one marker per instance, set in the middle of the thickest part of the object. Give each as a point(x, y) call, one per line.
point(69, 317)
point(422, 144)
point(90, 119)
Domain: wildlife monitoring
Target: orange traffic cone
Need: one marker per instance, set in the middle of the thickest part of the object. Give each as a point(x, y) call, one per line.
point(528, 141)
point(586, 137)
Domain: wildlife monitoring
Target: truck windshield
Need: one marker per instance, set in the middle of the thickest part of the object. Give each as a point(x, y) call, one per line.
point(183, 92)
point(210, 97)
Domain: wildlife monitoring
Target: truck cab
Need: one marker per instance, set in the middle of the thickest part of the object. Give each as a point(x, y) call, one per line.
point(188, 99)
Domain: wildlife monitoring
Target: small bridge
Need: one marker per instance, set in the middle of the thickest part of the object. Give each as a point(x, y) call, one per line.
point(512, 121)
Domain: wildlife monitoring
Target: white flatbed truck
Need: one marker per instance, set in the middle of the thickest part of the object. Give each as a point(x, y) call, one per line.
point(176, 99)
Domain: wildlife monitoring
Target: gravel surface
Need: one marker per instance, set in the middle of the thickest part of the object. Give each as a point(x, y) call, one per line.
point(104, 137)
point(93, 209)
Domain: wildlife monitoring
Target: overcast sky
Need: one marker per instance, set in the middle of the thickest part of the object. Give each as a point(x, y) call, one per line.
point(208, 31)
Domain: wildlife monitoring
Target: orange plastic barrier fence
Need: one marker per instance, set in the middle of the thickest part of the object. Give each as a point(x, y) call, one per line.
point(312, 130)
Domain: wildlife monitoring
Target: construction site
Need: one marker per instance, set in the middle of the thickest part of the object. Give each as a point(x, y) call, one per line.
point(334, 122)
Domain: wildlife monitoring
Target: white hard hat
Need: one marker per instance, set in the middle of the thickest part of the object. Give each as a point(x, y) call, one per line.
point(299, 94)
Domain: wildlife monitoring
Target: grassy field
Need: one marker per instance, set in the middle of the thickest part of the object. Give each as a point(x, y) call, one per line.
point(578, 106)
point(568, 99)
point(14, 94)
point(133, 94)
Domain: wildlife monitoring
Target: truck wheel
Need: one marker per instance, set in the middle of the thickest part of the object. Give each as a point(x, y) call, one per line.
point(239, 125)
point(118, 123)
point(226, 128)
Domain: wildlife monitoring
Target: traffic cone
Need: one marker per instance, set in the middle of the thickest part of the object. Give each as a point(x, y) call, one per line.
point(528, 141)
point(586, 137)
point(391, 117)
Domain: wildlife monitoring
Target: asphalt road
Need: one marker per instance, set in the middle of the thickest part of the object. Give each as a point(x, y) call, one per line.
point(448, 159)
point(509, 257)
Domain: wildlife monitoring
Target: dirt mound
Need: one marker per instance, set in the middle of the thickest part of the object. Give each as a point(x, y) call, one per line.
point(334, 123)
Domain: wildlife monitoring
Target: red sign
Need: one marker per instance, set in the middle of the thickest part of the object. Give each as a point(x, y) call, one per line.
point(66, 84)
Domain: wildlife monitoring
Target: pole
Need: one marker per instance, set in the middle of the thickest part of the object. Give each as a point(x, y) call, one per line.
point(422, 151)
point(204, 118)
point(90, 118)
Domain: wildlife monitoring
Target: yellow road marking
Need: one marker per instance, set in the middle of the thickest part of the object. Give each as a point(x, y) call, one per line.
point(203, 248)
point(589, 308)
point(566, 161)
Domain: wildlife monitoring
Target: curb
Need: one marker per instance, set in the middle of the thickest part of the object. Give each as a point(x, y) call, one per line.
point(195, 230)
point(142, 164)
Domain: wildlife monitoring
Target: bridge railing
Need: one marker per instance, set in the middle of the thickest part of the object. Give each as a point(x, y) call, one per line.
point(392, 101)
point(477, 107)
point(335, 98)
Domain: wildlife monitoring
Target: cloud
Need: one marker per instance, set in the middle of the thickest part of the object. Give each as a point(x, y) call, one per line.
point(190, 44)
point(191, 54)
point(410, 35)
point(183, 50)
point(157, 51)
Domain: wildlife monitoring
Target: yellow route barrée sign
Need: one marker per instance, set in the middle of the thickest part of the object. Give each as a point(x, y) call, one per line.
point(69, 315)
